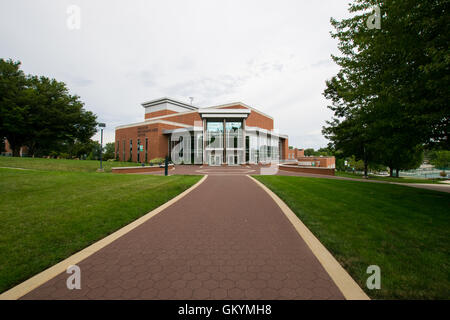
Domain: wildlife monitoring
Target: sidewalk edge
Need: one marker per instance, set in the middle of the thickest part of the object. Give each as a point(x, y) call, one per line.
point(346, 284)
point(28, 285)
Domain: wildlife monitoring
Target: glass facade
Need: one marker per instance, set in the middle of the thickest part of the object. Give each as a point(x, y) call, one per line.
point(138, 150)
point(226, 142)
point(131, 150)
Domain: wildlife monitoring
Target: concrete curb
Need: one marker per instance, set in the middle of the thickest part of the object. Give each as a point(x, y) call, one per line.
point(39, 279)
point(349, 288)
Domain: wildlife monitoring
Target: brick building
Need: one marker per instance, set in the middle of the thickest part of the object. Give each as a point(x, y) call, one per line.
point(23, 151)
point(311, 161)
point(230, 134)
point(295, 153)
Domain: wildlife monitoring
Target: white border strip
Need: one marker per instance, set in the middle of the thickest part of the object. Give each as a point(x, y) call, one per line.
point(39, 279)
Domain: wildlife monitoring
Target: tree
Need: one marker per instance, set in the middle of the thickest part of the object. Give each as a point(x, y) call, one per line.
point(40, 113)
point(58, 118)
point(95, 151)
point(80, 150)
point(309, 152)
point(110, 151)
point(352, 138)
point(391, 92)
point(15, 105)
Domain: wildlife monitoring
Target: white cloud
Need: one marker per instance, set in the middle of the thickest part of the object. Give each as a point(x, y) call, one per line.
point(273, 55)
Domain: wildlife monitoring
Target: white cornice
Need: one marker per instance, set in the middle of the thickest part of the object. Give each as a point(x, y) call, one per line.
point(241, 104)
point(144, 123)
point(168, 100)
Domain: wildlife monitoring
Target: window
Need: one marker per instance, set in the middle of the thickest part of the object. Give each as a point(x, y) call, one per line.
point(192, 149)
point(233, 125)
point(131, 151)
point(123, 147)
point(214, 126)
point(247, 149)
point(138, 150)
point(146, 149)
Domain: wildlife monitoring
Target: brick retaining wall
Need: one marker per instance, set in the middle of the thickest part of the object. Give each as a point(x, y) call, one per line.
point(140, 169)
point(313, 170)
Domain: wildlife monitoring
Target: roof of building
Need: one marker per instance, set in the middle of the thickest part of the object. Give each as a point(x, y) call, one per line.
point(168, 100)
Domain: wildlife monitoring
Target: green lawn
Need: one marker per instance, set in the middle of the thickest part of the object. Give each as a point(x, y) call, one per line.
point(403, 230)
point(387, 179)
point(47, 216)
point(61, 164)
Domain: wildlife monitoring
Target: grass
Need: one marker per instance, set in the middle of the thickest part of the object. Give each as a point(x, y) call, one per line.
point(403, 230)
point(47, 216)
point(61, 164)
point(387, 179)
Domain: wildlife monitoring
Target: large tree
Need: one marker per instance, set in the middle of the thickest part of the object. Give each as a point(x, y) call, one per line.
point(40, 112)
point(393, 83)
point(58, 118)
point(15, 104)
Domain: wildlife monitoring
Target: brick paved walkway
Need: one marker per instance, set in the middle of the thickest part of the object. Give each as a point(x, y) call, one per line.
point(227, 239)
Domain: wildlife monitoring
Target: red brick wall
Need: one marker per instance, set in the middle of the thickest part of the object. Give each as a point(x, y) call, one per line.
point(158, 144)
point(284, 149)
point(188, 118)
point(258, 120)
point(299, 153)
point(140, 169)
point(237, 106)
point(322, 162)
point(255, 119)
point(23, 149)
point(295, 153)
point(159, 113)
point(323, 171)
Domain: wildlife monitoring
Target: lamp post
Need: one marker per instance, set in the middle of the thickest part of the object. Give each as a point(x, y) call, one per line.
point(101, 126)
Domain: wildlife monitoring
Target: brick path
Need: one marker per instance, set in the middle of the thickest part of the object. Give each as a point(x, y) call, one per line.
point(226, 239)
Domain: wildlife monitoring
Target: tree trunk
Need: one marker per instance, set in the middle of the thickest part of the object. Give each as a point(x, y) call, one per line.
point(366, 169)
point(396, 173)
point(391, 172)
point(16, 151)
point(31, 151)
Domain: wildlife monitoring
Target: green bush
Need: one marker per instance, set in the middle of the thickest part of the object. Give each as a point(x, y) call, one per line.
point(157, 161)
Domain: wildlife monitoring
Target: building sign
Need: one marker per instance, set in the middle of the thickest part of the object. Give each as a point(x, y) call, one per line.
point(144, 129)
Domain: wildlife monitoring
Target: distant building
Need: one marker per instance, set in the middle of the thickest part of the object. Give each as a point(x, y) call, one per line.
point(311, 161)
point(295, 153)
point(232, 134)
point(8, 151)
point(314, 161)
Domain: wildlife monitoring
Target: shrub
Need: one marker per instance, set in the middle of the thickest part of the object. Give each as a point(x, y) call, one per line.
point(157, 161)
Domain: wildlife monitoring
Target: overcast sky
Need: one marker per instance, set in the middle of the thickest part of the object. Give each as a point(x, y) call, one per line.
point(271, 55)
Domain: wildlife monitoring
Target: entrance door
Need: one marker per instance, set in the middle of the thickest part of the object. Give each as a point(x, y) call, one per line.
point(215, 160)
point(233, 160)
